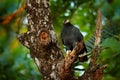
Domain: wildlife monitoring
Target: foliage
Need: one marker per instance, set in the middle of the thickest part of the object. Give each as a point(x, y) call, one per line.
point(15, 61)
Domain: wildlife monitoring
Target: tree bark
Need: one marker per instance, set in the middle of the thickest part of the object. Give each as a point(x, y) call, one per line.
point(41, 39)
point(42, 42)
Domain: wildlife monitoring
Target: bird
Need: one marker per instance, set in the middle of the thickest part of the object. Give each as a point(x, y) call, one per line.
point(70, 35)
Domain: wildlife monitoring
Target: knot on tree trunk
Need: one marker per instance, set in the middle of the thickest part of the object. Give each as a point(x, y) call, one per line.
point(44, 37)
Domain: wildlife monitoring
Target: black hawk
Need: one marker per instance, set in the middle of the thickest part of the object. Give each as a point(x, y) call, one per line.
point(70, 35)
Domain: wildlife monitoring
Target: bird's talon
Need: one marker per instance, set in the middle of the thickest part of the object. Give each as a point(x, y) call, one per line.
point(68, 51)
point(71, 53)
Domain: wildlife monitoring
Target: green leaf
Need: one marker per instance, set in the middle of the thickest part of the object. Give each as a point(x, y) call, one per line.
point(111, 43)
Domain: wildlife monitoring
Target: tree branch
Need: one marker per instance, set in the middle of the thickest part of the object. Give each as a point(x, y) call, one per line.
point(98, 29)
point(97, 49)
point(65, 69)
point(8, 18)
point(95, 71)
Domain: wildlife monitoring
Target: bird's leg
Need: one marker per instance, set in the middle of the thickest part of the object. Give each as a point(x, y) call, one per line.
point(68, 51)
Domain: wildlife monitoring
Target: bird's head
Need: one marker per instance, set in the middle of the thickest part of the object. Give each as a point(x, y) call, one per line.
point(66, 21)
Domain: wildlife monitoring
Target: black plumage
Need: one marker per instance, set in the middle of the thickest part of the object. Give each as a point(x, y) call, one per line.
point(70, 35)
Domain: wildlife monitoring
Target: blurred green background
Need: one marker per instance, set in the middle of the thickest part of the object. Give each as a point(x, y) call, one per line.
point(15, 60)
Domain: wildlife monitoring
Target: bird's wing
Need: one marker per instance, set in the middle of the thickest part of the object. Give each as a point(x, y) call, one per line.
point(62, 37)
point(63, 41)
point(78, 34)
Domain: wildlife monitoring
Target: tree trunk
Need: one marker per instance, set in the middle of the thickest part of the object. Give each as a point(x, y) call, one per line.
point(41, 40)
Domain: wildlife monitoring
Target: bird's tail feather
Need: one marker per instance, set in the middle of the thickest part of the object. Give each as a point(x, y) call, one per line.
point(83, 57)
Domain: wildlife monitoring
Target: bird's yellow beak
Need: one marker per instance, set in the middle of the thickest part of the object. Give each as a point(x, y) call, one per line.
point(66, 21)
